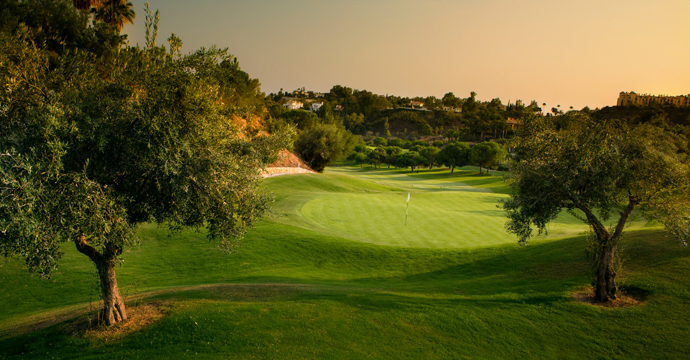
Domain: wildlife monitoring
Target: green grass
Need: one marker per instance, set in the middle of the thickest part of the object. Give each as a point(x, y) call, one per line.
point(304, 285)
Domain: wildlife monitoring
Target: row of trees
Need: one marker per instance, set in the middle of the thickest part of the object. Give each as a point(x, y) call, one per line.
point(364, 110)
point(454, 154)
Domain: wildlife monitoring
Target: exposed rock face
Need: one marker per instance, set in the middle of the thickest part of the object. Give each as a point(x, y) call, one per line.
point(287, 163)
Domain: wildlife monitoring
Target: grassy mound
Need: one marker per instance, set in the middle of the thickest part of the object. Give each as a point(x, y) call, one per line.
point(303, 288)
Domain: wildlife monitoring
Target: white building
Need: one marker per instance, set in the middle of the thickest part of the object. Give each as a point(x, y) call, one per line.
point(316, 106)
point(293, 105)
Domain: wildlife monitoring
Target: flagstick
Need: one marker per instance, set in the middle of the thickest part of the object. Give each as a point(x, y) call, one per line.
point(407, 207)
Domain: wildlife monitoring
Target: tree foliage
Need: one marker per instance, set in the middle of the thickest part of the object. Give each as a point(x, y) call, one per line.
point(88, 152)
point(487, 154)
point(455, 154)
point(115, 13)
point(430, 153)
point(57, 26)
point(410, 159)
point(598, 170)
point(323, 144)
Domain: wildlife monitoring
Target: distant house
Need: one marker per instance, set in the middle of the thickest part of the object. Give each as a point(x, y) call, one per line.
point(450, 108)
point(632, 98)
point(514, 123)
point(316, 106)
point(300, 92)
point(293, 105)
point(338, 108)
point(417, 104)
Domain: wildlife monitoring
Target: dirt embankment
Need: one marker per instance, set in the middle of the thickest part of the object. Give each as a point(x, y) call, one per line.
point(287, 163)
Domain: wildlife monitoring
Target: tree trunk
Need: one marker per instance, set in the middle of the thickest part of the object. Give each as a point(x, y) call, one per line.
point(606, 287)
point(113, 305)
point(451, 169)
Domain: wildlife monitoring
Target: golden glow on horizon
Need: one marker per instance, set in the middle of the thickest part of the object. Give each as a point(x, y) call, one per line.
point(568, 53)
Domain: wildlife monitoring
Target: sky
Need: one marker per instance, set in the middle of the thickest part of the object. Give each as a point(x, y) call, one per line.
point(563, 52)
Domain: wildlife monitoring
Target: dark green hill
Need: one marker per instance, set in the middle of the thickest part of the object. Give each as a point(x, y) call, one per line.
point(637, 114)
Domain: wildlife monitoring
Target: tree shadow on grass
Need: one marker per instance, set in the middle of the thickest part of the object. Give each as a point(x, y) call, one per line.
point(542, 274)
point(538, 274)
point(361, 298)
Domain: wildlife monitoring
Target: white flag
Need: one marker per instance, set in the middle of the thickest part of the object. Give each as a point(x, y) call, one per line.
point(408, 197)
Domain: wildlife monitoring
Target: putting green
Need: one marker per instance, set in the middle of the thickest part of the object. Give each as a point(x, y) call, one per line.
point(369, 206)
point(435, 220)
point(460, 219)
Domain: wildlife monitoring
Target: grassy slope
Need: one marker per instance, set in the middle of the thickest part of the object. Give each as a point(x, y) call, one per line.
point(326, 296)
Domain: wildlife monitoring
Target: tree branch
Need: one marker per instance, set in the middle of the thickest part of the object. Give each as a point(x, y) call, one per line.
point(599, 228)
point(86, 249)
point(632, 202)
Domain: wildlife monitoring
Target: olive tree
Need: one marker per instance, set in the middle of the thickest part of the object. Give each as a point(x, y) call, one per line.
point(455, 154)
point(430, 153)
point(410, 159)
point(324, 144)
point(392, 153)
point(376, 156)
point(486, 154)
point(598, 171)
point(90, 149)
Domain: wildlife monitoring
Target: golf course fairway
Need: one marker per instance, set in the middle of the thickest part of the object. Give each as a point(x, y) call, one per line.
point(335, 273)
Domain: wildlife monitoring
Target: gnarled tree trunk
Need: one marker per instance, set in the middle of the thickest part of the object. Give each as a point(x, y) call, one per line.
point(113, 305)
point(606, 288)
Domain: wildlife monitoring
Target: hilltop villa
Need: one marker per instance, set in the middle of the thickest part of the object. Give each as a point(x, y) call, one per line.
point(631, 98)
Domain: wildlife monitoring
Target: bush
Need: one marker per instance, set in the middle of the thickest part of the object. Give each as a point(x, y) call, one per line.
point(360, 148)
point(418, 148)
point(323, 145)
point(379, 141)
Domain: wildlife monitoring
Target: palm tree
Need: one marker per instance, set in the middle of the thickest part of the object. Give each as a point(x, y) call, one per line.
point(87, 4)
point(114, 12)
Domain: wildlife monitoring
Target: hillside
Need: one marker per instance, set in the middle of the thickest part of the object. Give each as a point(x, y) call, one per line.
point(635, 114)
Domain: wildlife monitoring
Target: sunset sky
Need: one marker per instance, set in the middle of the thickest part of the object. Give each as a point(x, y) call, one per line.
point(572, 53)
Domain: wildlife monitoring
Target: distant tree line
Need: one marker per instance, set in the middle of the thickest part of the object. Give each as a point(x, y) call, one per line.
point(367, 114)
point(415, 154)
